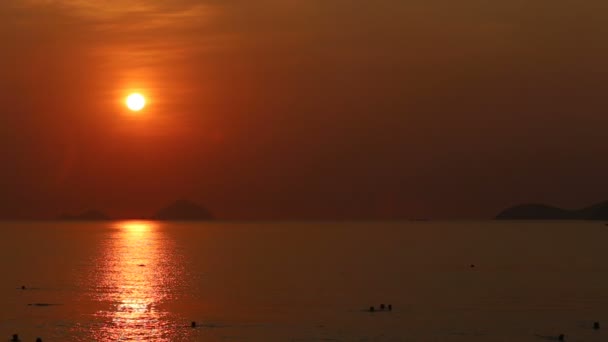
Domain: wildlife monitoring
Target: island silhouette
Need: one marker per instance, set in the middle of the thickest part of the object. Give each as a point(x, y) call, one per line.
point(597, 211)
point(183, 210)
point(180, 210)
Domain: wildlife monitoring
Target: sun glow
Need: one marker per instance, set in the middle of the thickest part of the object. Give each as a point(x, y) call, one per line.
point(136, 102)
point(137, 226)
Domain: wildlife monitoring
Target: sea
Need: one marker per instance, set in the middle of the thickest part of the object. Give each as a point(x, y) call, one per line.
point(304, 281)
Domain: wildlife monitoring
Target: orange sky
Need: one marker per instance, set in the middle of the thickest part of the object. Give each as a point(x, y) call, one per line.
point(302, 108)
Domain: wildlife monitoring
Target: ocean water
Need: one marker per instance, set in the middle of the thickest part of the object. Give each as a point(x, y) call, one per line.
point(146, 281)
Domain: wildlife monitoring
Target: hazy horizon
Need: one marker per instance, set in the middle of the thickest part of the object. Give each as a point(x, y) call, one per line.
point(76, 216)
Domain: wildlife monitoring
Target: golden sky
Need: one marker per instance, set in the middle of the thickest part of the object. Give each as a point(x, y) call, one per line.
point(302, 108)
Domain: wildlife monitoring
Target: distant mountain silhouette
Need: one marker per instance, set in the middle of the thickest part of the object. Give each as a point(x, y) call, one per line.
point(183, 210)
point(90, 215)
point(544, 212)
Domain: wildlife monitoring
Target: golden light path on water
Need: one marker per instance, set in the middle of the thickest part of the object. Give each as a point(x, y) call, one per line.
point(139, 273)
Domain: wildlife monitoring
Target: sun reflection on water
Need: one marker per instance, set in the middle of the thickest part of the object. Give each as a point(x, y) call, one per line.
point(137, 226)
point(138, 274)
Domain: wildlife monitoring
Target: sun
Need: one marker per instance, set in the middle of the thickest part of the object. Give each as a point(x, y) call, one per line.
point(136, 102)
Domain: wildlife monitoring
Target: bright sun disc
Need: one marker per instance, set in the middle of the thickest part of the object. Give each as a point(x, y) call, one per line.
point(136, 102)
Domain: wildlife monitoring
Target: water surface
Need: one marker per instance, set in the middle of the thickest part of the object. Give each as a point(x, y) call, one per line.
point(447, 281)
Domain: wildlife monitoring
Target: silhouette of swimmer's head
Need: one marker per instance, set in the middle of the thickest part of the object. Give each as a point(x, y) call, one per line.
point(15, 338)
point(193, 324)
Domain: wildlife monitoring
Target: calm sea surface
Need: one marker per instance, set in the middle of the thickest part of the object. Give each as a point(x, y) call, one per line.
point(146, 281)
